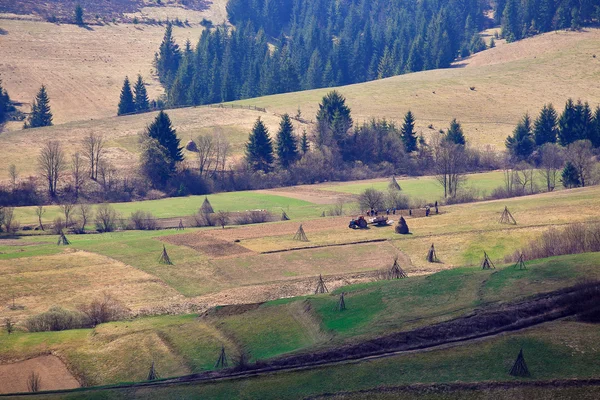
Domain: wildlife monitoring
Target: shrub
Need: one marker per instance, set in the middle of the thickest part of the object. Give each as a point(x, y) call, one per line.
point(141, 220)
point(58, 225)
point(337, 209)
point(253, 217)
point(464, 196)
point(155, 194)
point(57, 319)
point(397, 200)
point(106, 218)
point(371, 198)
point(104, 310)
point(204, 219)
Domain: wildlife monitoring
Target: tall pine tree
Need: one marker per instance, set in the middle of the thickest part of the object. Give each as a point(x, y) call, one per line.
point(259, 149)
point(287, 146)
point(304, 145)
point(142, 103)
point(40, 111)
point(545, 127)
point(521, 143)
point(168, 58)
point(126, 103)
point(455, 133)
point(162, 130)
point(567, 124)
point(5, 104)
point(408, 134)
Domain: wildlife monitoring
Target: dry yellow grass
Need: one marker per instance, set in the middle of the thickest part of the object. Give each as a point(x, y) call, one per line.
point(73, 278)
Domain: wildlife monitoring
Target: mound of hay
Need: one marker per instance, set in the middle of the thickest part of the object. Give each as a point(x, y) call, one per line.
point(191, 146)
point(402, 227)
point(206, 207)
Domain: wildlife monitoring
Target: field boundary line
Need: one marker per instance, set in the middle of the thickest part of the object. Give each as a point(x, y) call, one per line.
point(320, 246)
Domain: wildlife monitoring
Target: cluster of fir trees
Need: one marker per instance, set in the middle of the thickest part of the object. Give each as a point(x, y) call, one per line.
point(317, 43)
point(40, 114)
point(523, 18)
point(135, 101)
point(6, 105)
point(577, 122)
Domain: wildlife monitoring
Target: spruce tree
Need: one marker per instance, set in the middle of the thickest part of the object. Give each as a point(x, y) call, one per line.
point(162, 130)
point(79, 15)
point(545, 127)
point(304, 145)
point(595, 131)
point(168, 58)
point(333, 116)
point(259, 149)
point(566, 124)
point(521, 143)
point(570, 176)
point(142, 103)
point(40, 111)
point(455, 133)
point(126, 103)
point(5, 104)
point(408, 134)
point(287, 146)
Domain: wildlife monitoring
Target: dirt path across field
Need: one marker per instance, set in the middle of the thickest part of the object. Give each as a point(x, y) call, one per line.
point(53, 374)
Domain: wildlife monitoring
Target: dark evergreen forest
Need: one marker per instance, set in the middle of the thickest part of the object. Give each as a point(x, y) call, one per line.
point(282, 46)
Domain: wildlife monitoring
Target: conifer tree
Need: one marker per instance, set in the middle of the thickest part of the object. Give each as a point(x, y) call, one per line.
point(259, 149)
point(287, 146)
point(386, 65)
point(142, 103)
point(521, 143)
point(594, 136)
point(79, 15)
point(126, 103)
point(570, 176)
point(168, 58)
point(162, 130)
point(40, 111)
point(567, 123)
point(408, 134)
point(304, 145)
point(545, 127)
point(333, 118)
point(455, 133)
point(511, 25)
point(5, 104)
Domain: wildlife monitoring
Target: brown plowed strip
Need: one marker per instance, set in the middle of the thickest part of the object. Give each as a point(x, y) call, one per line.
point(207, 244)
point(53, 373)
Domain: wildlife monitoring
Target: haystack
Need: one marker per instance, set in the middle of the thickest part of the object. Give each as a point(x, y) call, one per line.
point(487, 263)
point(394, 185)
point(284, 216)
point(164, 257)
point(519, 368)
point(521, 262)
point(402, 227)
point(152, 375)
point(341, 305)
point(222, 360)
point(323, 214)
point(321, 288)
point(300, 235)
point(396, 272)
point(191, 146)
point(62, 239)
point(206, 207)
point(180, 227)
point(507, 217)
point(431, 256)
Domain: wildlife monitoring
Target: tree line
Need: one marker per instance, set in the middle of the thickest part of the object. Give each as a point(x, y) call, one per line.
point(283, 46)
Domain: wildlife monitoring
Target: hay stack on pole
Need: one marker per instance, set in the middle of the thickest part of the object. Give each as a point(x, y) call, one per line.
point(180, 227)
point(300, 235)
point(207, 207)
point(284, 216)
point(487, 263)
point(321, 288)
point(164, 257)
point(323, 214)
point(152, 375)
point(402, 227)
point(222, 360)
point(519, 368)
point(396, 272)
point(431, 256)
point(394, 185)
point(191, 146)
point(521, 262)
point(341, 305)
point(507, 217)
point(62, 240)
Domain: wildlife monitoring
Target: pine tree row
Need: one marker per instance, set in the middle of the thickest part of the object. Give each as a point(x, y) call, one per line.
point(135, 101)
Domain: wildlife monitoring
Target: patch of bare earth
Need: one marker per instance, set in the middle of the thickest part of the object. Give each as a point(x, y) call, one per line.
point(207, 244)
point(53, 374)
point(310, 194)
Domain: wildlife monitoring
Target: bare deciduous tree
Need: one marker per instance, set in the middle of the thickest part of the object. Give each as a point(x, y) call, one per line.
point(106, 218)
point(67, 209)
point(7, 219)
point(12, 172)
point(580, 154)
point(371, 199)
point(85, 211)
point(39, 211)
point(106, 176)
point(78, 173)
point(104, 310)
point(449, 162)
point(552, 162)
point(51, 164)
point(222, 218)
point(93, 151)
point(205, 153)
point(213, 151)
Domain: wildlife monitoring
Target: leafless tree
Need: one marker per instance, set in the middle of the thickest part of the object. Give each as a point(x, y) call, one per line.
point(222, 218)
point(580, 154)
point(222, 149)
point(205, 153)
point(104, 310)
point(371, 198)
point(51, 164)
point(10, 225)
point(523, 175)
point(449, 163)
point(93, 151)
point(12, 172)
point(85, 211)
point(78, 173)
point(67, 209)
point(106, 218)
point(39, 211)
point(213, 151)
point(34, 382)
point(552, 162)
point(106, 175)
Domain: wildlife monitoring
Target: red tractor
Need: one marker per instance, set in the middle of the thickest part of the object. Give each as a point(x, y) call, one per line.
point(358, 223)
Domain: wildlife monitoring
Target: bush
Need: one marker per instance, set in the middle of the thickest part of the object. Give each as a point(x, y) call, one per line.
point(464, 196)
point(106, 218)
point(253, 217)
point(57, 319)
point(397, 200)
point(371, 199)
point(155, 195)
point(58, 225)
point(204, 219)
point(141, 220)
point(337, 209)
point(104, 310)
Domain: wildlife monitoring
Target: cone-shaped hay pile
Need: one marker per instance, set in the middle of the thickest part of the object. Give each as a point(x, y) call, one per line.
point(62, 240)
point(396, 272)
point(521, 262)
point(180, 227)
point(284, 216)
point(152, 375)
point(191, 146)
point(507, 217)
point(402, 227)
point(487, 263)
point(431, 256)
point(321, 288)
point(300, 235)
point(164, 257)
point(323, 214)
point(520, 366)
point(341, 305)
point(206, 207)
point(222, 361)
point(394, 185)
